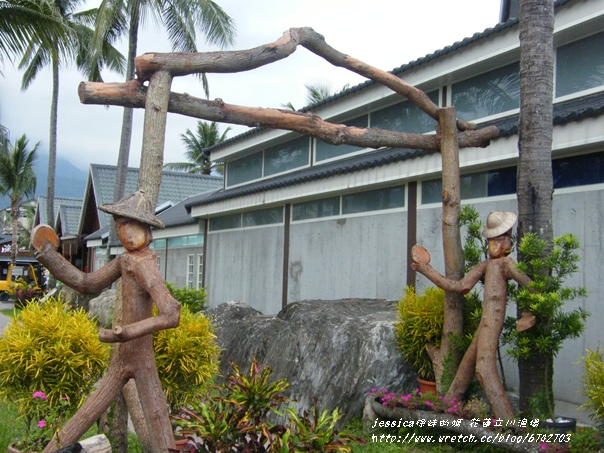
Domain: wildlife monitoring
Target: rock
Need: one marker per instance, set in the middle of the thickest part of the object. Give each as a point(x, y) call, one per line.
point(73, 298)
point(96, 444)
point(334, 351)
point(101, 308)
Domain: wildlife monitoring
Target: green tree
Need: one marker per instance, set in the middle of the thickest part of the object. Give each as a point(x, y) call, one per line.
point(317, 93)
point(17, 180)
point(197, 143)
point(25, 21)
point(65, 48)
point(181, 19)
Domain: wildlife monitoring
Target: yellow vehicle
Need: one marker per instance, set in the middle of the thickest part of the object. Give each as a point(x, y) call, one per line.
point(19, 273)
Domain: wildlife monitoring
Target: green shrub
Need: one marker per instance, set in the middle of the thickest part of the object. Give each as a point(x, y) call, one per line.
point(593, 384)
point(53, 349)
point(234, 418)
point(187, 357)
point(194, 299)
point(419, 325)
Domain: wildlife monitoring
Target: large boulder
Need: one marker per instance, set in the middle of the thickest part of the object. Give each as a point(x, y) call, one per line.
point(74, 298)
point(101, 308)
point(331, 351)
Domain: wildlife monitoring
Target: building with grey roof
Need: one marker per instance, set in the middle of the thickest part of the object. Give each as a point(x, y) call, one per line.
point(300, 218)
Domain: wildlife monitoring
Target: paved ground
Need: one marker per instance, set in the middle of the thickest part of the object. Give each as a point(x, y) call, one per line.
point(4, 320)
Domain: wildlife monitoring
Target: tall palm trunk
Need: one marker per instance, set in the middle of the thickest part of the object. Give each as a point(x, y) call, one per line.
point(52, 143)
point(535, 182)
point(126, 135)
point(14, 249)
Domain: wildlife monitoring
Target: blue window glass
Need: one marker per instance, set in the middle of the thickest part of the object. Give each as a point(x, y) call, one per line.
point(263, 217)
point(225, 222)
point(578, 170)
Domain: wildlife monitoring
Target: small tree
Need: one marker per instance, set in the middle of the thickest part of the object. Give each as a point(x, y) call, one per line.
point(17, 180)
point(197, 143)
point(545, 298)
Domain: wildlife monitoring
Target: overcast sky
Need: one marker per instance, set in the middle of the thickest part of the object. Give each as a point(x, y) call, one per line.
point(383, 33)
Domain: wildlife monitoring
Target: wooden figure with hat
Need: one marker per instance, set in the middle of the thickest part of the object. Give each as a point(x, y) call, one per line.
point(142, 286)
point(481, 356)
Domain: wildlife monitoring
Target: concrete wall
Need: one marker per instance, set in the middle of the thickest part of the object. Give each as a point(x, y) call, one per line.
point(246, 265)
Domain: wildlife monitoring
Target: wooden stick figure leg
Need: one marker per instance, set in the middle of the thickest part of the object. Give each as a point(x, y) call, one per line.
point(465, 372)
point(90, 412)
point(155, 406)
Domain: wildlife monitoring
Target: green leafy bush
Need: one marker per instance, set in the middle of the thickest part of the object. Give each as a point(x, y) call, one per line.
point(420, 325)
point(187, 358)
point(194, 299)
point(234, 418)
point(593, 384)
point(53, 349)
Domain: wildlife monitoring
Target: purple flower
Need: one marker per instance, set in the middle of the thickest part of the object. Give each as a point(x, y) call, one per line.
point(543, 446)
point(40, 395)
point(41, 423)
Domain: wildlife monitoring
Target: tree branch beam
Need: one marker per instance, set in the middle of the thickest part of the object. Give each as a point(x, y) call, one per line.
point(182, 63)
point(133, 94)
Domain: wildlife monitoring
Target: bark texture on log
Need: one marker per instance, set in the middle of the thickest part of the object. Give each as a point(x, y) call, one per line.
point(453, 253)
point(133, 94)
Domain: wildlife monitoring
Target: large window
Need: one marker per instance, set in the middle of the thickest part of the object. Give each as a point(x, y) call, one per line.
point(245, 169)
point(370, 200)
point(580, 65)
point(287, 156)
point(488, 94)
point(474, 185)
point(314, 209)
point(374, 200)
point(185, 241)
point(327, 151)
point(268, 216)
point(405, 117)
point(578, 170)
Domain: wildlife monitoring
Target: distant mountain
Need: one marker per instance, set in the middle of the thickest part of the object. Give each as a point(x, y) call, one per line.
point(70, 181)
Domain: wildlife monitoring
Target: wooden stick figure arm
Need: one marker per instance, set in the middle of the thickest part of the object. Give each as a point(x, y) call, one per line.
point(462, 286)
point(168, 309)
point(516, 274)
point(85, 283)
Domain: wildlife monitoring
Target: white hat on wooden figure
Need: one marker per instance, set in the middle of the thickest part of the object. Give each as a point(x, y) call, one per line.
point(499, 222)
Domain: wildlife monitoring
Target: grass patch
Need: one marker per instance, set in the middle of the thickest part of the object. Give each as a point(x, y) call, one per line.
point(8, 312)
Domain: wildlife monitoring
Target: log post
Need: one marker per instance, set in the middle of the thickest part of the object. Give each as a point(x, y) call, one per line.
point(154, 135)
point(453, 253)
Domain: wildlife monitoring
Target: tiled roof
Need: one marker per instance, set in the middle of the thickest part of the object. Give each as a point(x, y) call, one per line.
point(565, 112)
point(58, 201)
point(178, 215)
point(70, 218)
point(398, 70)
point(175, 186)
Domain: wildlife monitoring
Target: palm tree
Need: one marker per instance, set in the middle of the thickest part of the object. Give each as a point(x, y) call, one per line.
point(26, 21)
point(17, 180)
point(180, 18)
point(317, 93)
point(64, 48)
point(535, 181)
point(208, 134)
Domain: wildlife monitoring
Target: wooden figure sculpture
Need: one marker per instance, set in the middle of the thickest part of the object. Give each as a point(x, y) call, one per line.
point(481, 356)
point(142, 286)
